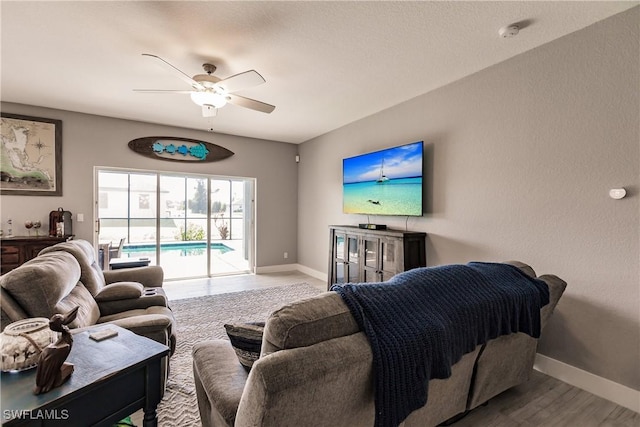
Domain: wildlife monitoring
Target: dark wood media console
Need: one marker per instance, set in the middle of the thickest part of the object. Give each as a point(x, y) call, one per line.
point(359, 255)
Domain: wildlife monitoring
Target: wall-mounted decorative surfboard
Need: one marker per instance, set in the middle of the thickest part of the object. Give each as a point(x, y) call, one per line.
point(179, 149)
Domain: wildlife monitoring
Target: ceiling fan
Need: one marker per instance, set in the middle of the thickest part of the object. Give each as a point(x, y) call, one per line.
point(211, 92)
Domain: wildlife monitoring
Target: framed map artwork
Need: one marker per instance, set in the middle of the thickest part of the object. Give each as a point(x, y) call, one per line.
point(30, 156)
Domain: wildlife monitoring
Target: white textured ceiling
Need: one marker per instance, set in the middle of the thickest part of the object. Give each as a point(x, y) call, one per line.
point(327, 64)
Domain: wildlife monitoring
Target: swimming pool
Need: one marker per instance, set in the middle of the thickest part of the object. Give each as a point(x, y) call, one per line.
point(174, 249)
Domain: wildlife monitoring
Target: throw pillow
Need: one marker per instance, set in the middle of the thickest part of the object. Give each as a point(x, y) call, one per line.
point(246, 340)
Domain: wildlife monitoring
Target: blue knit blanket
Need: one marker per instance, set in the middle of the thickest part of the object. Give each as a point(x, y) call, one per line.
point(421, 322)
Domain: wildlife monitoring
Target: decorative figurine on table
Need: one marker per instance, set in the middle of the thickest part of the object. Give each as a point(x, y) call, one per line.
point(53, 371)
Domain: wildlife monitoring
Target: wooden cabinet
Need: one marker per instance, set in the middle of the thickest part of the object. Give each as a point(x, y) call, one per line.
point(15, 251)
point(359, 255)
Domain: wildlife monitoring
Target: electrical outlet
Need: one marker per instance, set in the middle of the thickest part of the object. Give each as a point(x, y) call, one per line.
point(80, 217)
point(286, 255)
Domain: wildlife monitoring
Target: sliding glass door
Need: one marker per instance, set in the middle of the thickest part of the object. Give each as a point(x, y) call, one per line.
point(191, 225)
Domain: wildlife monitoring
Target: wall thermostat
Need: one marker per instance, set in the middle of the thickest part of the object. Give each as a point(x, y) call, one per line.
point(617, 193)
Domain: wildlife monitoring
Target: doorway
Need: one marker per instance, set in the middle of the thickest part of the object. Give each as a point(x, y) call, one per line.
point(191, 225)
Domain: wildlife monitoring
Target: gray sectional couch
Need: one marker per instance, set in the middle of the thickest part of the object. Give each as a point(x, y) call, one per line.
point(316, 369)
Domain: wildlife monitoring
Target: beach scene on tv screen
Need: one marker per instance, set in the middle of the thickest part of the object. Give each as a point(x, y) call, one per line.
point(387, 182)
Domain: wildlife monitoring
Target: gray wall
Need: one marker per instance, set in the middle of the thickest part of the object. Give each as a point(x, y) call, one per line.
point(519, 161)
point(89, 141)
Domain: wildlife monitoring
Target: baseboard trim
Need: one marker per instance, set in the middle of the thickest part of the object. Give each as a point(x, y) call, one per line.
point(313, 273)
point(607, 389)
point(276, 268)
point(292, 267)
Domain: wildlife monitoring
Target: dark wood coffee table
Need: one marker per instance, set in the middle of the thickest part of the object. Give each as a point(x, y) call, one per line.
point(112, 380)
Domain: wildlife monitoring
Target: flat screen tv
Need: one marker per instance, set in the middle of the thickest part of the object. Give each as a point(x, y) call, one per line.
point(386, 182)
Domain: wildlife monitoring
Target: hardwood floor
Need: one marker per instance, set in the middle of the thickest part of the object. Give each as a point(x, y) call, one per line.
point(544, 401)
point(217, 285)
point(541, 402)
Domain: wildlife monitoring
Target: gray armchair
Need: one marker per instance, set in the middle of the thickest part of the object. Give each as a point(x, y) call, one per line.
point(118, 290)
point(67, 274)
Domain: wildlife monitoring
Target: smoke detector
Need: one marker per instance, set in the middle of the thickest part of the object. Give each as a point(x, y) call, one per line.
point(509, 31)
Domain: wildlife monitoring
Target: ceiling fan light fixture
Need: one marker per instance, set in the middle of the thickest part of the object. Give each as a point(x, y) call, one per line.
point(209, 98)
point(211, 92)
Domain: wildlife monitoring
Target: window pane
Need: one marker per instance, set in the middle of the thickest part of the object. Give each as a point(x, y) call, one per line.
point(114, 189)
point(196, 197)
point(142, 196)
point(142, 230)
point(220, 197)
point(237, 229)
point(113, 206)
point(173, 202)
point(237, 199)
point(220, 229)
point(186, 258)
point(113, 229)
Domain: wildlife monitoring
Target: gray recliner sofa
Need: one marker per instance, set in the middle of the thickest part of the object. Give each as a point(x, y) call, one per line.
point(65, 275)
point(316, 369)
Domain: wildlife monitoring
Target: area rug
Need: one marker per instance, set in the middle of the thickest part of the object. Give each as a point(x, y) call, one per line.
point(201, 319)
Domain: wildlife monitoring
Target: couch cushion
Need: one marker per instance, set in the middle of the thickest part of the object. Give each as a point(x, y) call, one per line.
point(308, 321)
point(88, 312)
point(246, 340)
point(48, 285)
point(10, 309)
point(90, 273)
point(40, 283)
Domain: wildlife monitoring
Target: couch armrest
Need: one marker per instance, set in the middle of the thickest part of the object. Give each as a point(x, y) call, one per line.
point(335, 375)
point(119, 291)
point(220, 380)
point(556, 289)
point(151, 276)
point(149, 297)
point(154, 326)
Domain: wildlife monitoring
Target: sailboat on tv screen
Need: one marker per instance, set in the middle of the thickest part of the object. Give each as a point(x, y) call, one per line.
point(382, 178)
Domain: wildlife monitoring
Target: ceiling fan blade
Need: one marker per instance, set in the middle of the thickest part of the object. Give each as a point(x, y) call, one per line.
point(178, 72)
point(250, 103)
point(241, 81)
point(161, 91)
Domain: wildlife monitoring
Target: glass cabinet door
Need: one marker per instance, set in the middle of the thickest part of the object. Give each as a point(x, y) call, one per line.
point(353, 258)
point(371, 270)
point(388, 259)
point(339, 258)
